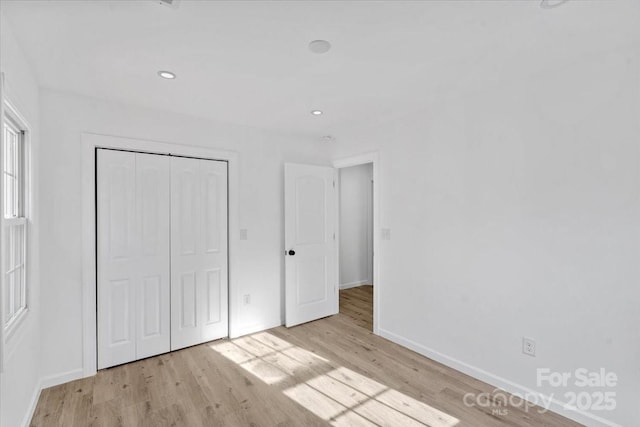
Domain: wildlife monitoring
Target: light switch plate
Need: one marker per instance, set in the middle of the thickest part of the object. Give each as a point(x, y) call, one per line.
point(244, 234)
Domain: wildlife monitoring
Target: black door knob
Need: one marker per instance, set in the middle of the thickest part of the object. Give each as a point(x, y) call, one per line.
point(292, 252)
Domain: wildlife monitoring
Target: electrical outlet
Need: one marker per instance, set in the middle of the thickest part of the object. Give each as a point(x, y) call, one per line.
point(529, 346)
point(246, 299)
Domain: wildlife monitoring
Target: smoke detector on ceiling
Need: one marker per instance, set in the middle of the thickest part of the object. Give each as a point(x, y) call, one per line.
point(173, 4)
point(319, 46)
point(550, 4)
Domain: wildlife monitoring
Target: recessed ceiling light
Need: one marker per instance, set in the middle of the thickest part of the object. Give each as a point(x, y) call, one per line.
point(316, 112)
point(167, 75)
point(319, 46)
point(550, 4)
point(328, 138)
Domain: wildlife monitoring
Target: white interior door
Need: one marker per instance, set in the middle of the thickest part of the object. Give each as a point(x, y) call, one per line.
point(133, 256)
point(199, 273)
point(310, 246)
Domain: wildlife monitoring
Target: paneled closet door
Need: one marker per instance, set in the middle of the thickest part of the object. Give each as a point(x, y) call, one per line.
point(199, 274)
point(153, 174)
point(133, 256)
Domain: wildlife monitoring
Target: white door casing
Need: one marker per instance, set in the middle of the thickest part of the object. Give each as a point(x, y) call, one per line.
point(133, 256)
point(199, 272)
point(311, 288)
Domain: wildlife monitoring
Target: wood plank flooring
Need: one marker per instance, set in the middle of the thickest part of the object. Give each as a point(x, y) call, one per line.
point(357, 303)
point(328, 372)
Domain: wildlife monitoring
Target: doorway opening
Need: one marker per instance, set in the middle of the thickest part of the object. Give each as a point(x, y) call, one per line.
point(355, 216)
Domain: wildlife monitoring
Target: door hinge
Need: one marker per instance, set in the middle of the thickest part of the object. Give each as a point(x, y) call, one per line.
point(334, 184)
point(334, 236)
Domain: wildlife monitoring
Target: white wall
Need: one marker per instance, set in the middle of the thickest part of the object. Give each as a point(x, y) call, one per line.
point(261, 158)
point(356, 240)
point(19, 383)
point(514, 210)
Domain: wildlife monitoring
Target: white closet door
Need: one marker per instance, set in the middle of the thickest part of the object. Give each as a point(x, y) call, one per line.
point(199, 273)
point(133, 256)
point(153, 173)
point(117, 256)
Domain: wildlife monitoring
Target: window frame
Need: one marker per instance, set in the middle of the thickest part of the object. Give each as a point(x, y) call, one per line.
point(16, 121)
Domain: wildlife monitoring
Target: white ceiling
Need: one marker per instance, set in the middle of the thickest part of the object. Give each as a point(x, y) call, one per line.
point(247, 62)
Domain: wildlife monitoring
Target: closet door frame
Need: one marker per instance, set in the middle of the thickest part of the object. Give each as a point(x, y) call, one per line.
point(90, 144)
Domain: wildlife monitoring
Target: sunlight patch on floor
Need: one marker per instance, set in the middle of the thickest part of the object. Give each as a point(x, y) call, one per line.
point(334, 393)
point(269, 358)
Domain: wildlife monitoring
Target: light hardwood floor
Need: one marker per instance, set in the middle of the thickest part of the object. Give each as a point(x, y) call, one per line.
point(357, 303)
point(328, 372)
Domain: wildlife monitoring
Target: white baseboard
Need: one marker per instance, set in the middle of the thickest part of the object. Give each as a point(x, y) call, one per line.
point(32, 406)
point(355, 284)
point(64, 377)
point(497, 381)
point(46, 382)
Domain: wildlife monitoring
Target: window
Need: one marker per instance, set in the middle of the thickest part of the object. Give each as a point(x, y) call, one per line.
point(14, 233)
